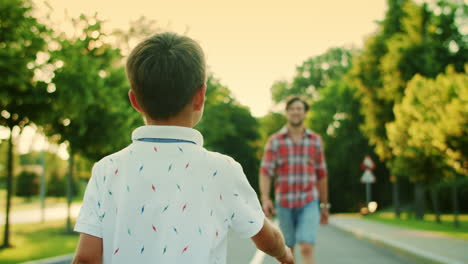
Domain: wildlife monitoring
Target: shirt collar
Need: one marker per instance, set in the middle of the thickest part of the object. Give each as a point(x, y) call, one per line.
point(284, 131)
point(172, 132)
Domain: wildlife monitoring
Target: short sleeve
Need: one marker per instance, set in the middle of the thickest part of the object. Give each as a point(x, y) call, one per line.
point(244, 210)
point(267, 166)
point(89, 220)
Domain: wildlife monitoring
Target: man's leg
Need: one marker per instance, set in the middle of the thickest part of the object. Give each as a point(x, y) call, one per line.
point(287, 224)
point(307, 253)
point(308, 222)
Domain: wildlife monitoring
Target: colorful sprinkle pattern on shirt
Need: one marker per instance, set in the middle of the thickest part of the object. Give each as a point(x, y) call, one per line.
point(183, 235)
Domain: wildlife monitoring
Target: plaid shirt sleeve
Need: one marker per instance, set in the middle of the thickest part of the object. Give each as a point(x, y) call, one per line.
point(321, 165)
point(267, 166)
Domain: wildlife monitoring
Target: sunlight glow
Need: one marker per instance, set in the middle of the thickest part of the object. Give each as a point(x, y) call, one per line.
point(248, 44)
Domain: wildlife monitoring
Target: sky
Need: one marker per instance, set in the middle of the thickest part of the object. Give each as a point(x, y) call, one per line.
point(249, 44)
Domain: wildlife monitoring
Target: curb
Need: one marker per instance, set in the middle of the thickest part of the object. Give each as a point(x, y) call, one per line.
point(65, 259)
point(411, 252)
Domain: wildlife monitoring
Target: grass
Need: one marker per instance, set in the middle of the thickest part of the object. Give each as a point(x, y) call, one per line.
point(37, 241)
point(428, 224)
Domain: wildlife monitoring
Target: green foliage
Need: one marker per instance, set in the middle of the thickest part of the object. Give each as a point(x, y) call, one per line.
point(313, 74)
point(229, 128)
point(22, 100)
point(56, 186)
point(22, 37)
point(335, 116)
point(91, 109)
point(27, 184)
point(366, 75)
point(429, 135)
point(412, 39)
point(269, 124)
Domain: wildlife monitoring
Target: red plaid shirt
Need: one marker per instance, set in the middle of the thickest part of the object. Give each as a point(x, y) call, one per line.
point(297, 167)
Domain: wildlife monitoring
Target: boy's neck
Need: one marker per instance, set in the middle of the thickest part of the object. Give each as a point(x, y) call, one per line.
point(173, 121)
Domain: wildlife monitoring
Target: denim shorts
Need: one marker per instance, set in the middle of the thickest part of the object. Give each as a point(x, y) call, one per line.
point(299, 224)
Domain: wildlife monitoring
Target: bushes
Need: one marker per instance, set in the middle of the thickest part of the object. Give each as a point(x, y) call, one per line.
point(57, 185)
point(27, 184)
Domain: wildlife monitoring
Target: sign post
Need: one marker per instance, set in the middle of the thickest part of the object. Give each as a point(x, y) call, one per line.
point(368, 177)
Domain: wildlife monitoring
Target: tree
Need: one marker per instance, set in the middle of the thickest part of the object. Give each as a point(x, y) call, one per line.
point(313, 74)
point(229, 128)
point(421, 42)
point(336, 116)
point(91, 111)
point(366, 75)
point(27, 184)
point(269, 124)
point(430, 129)
point(22, 98)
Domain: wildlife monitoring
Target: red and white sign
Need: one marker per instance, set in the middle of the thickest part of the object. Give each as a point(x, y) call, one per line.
point(367, 165)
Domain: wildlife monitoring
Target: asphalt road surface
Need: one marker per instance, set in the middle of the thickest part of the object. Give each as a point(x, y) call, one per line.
point(333, 247)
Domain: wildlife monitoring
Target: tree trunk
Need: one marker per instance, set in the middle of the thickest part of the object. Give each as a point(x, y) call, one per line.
point(43, 187)
point(456, 221)
point(419, 200)
point(9, 186)
point(396, 200)
point(435, 203)
point(69, 189)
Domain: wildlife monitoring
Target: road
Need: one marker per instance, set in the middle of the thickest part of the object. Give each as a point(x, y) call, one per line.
point(334, 247)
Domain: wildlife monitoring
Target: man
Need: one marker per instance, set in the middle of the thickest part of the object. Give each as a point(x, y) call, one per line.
point(294, 157)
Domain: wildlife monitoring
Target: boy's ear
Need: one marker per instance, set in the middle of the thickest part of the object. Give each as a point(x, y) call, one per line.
point(199, 98)
point(133, 101)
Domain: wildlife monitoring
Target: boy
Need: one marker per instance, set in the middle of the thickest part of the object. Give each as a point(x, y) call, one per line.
point(164, 198)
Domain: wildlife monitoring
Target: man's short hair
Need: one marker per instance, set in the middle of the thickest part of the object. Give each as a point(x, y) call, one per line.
point(165, 71)
point(295, 98)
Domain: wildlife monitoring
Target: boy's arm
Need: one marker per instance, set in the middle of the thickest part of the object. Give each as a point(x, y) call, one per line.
point(89, 250)
point(270, 240)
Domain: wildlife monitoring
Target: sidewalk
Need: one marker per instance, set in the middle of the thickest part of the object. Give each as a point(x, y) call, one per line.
point(420, 246)
point(34, 216)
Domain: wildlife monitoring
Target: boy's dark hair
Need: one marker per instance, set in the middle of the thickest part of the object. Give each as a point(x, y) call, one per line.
point(295, 98)
point(165, 71)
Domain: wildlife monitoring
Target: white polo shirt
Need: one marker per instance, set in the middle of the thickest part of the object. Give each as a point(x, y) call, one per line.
point(166, 199)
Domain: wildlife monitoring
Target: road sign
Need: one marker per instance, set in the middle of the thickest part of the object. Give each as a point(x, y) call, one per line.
point(367, 177)
point(367, 163)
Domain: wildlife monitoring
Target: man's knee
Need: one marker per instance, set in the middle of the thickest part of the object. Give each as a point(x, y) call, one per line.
point(307, 249)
